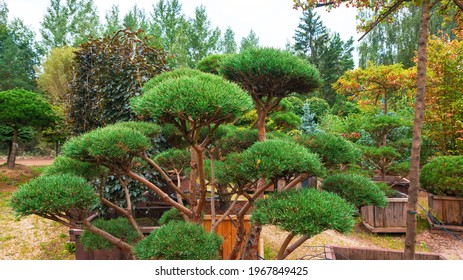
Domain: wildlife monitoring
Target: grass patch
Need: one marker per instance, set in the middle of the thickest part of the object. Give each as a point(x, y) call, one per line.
point(269, 252)
point(31, 237)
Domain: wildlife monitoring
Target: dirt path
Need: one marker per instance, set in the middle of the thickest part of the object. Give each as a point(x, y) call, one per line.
point(30, 161)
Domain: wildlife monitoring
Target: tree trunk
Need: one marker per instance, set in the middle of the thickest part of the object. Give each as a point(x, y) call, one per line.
point(193, 188)
point(14, 149)
point(261, 116)
point(410, 237)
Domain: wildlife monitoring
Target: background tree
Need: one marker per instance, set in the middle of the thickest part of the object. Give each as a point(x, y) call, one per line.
point(107, 74)
point(19, 53)
point(203, 39)
point(443, 122)
point(21, 108)
point(381, 86)
point(250, 41)
point(326, 51)
point(228, 43)
point(169, 25)
point(55, 75)
point(112, 21)
point(135, 19)
point(394, 40)
point(69, 24)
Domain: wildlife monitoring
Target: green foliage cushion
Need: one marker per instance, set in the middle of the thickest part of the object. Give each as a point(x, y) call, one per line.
point(179, 241)
point(443, 176)
point(176, 73)
point(20, 107)
point(174, 158)
point(319, 107)
point(112, 143)
point(275, 159)
point(333, 149)
point(211, 64)
point(119, 227)
point(145, 128)
point(268, 71)
point(305, 211)
point(356, 189)
point(285, 121)
point(203, 98)
point(63, 165)
point(172, 214)
point(54, 194)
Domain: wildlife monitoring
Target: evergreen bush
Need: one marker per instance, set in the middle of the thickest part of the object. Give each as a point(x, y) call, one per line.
point(179, 241)
point(305, 211)
point(118, 227)
point(358, 190)
point(443, 176)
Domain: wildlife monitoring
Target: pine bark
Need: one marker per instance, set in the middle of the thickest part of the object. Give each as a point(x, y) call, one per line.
point(14, 149)
point(410, 238)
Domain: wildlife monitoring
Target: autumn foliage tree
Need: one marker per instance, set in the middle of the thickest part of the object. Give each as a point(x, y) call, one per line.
point(377, 86)
point(444, 98)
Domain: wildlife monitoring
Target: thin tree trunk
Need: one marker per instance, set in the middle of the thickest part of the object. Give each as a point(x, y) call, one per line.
point(14, 149)
point(261, 116)
point(410, 237)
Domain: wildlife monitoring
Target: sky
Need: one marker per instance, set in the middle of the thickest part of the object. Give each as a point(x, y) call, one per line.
point(274, 21)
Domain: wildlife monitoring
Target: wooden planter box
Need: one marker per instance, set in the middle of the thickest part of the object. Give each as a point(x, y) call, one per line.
point(227, 230)
point(358, 253)
point(390, 219)
point(103, 254)
point(448, 210)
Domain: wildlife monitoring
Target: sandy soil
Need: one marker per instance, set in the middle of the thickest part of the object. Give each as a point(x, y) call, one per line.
point(443, 244)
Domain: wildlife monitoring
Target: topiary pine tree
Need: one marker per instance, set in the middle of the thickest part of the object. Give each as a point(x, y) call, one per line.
point(21, 108)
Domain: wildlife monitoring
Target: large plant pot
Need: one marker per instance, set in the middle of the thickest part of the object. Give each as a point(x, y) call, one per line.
point(447, 212)
point(358, 253)
point(227, 230)
point(391, 219)
point(103, 254)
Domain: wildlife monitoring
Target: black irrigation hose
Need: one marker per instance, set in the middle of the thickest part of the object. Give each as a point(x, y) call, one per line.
point(440, 224)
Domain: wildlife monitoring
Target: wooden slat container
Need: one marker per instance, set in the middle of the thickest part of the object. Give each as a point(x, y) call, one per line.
point(448, 210)
point(227, 230)
point(391, 219)
point(358, 253)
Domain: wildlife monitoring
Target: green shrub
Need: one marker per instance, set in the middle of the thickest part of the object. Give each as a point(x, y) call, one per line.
point(174, 158)
point(319, 107)
point(305, 211)
point(119, 227)
point(62, 165)
point(277, 159)
point(114, 143)
point(265, 70)
point(443, 176)
point(211, 64)
point(172, 214)
point(356, 189)
point(179, 241)
point(285, 121)
point(53, 195)
point(332, 149)
point(193, 95)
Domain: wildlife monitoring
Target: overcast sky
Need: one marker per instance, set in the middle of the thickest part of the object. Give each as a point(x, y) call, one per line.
point(274, 21)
